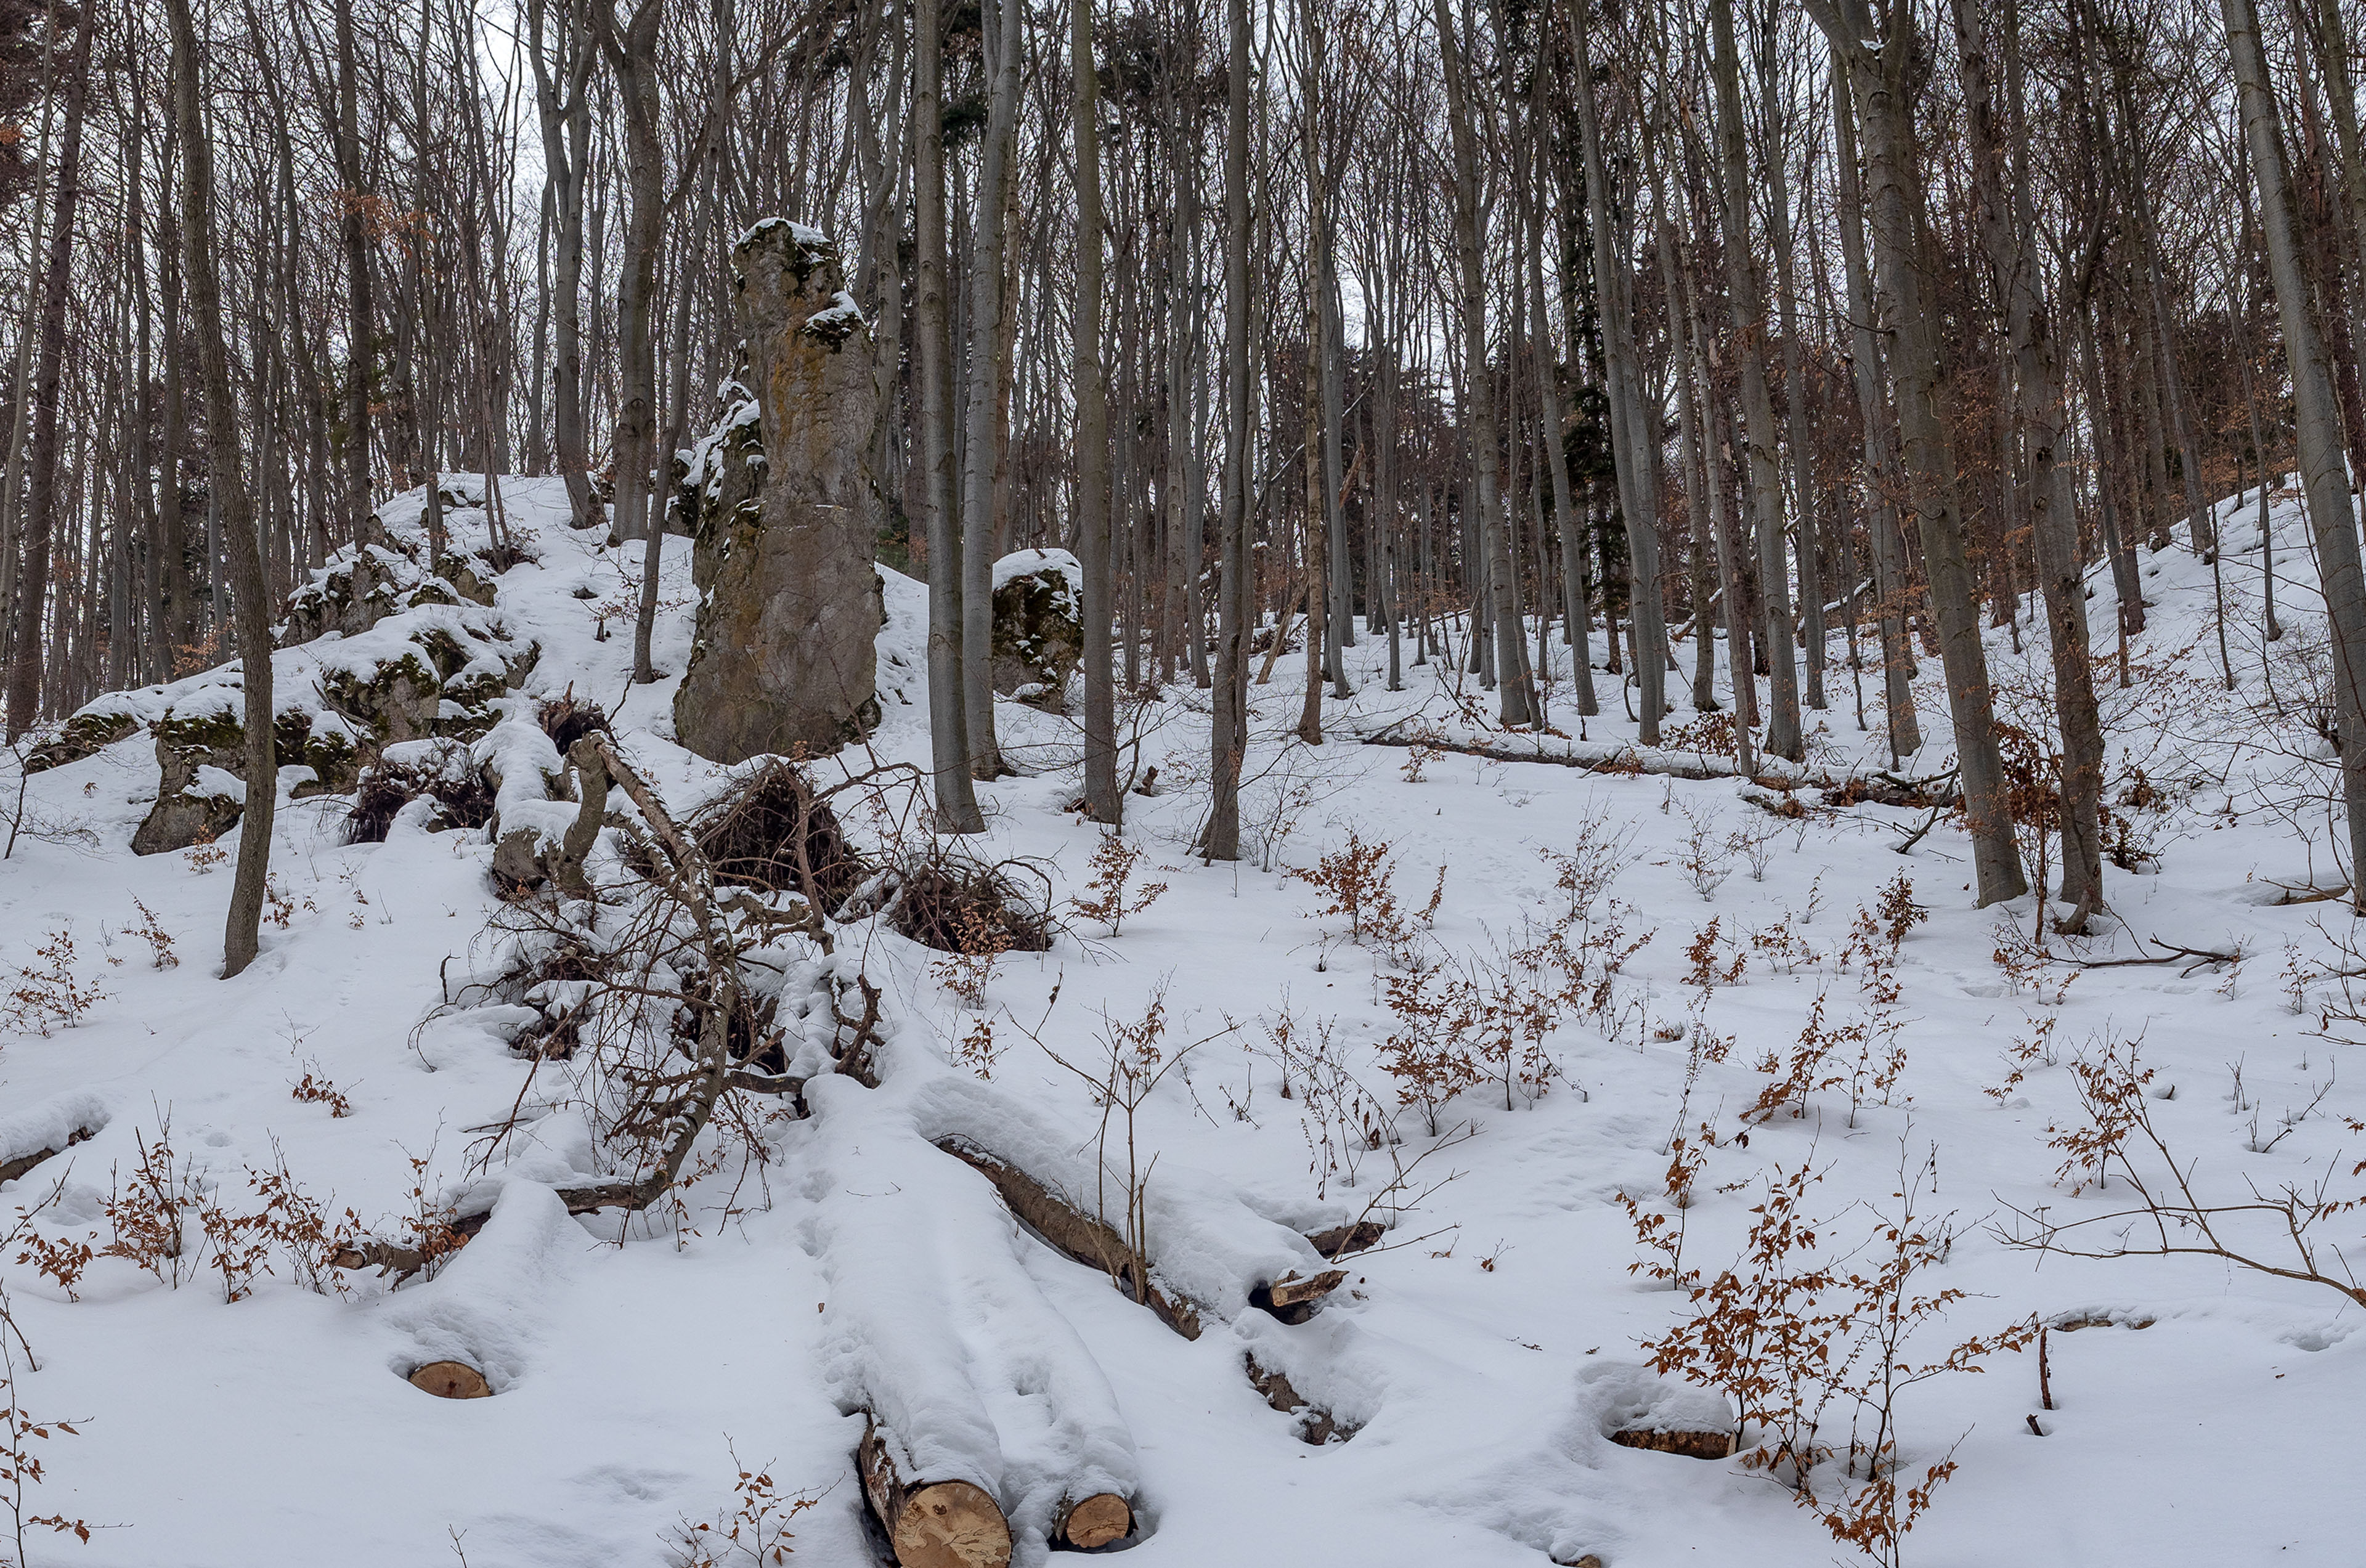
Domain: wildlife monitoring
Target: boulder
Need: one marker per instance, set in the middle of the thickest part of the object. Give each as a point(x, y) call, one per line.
point(1039, 624)
point(784, 658)
point(86, 733)
point(201, 765)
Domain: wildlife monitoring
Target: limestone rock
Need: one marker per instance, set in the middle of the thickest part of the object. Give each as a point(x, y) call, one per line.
point(718, 481)
point(1039, 624)
point(790, 605)
point(86, 733)
point(201, 763)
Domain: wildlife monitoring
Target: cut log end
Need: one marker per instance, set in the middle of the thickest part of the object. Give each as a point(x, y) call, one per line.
point(452, 1379)
point(1712, 1444)
point(951, 1524)
point(1097, 1521)
point(1293, 1300)
point(943, 1523)
point(1290, 1290)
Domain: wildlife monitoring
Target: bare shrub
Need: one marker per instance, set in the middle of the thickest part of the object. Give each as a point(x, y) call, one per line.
point(48, 995)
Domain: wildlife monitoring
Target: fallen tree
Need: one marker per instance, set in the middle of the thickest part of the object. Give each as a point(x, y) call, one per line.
point(1877, 788)
point(930, 1524)
point(939, 1334)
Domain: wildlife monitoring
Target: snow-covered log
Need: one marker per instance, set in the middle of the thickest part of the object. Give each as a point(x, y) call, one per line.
point(1880, 788)
point(484, 1309)
point(939, 1334)
point(46, 1129)
point(931, 1524)
point(1211, 1257)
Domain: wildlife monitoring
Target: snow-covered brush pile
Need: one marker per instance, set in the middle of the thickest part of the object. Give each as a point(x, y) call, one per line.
point(1543, 1149)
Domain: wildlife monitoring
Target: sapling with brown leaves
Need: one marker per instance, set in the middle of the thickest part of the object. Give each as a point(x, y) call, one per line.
point(755, 1531)
point(1114, 861)
point(48, 995)
point(21, 1467)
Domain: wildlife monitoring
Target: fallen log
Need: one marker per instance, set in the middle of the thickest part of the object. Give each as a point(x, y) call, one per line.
point(930, 1524)
point(1341, 1240)
point(1705, 1443)
point(47, 1129)
point(937, 1331)
point(1316, 1425)
point(1096, 1521)
point(1210, 1256)
point(1294, 1299)
point(1880, 789)
point(451, 1380)
point(1291, 1297)
point(1079, 1235)
point(11, 1169)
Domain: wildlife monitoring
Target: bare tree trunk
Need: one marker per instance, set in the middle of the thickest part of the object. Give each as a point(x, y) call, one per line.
point(1517, 703)
point(242, 934)
point(1795, 373)
point(41, 496)
point(1879, 79)
point(2009, 232)
point(988, 378)
point(361, 317)
point(1746, 302)
point(957, 810)
point(1315, 529)
point(1228, 737)
point(1102, 802)
point(564, 108)
point(1889, 584)
point(2316, 420)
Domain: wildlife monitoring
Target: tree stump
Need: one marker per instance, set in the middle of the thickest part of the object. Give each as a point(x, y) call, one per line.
point(941, 1523)
point(452, 1379)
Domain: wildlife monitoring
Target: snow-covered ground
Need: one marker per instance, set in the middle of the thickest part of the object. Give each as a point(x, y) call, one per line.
point(1483, 1361)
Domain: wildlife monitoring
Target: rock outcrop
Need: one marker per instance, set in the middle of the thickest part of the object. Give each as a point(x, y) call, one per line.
point(1039, 625)
point(789, 600)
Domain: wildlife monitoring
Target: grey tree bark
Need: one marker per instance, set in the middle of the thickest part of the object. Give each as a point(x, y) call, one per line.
point(2008, 233)
point(1878, 78)
point(1905, 730)
point(1516, 701)
point(1746, 302)
point(252, 606)
point(41, 495)
point(2316, 423)
point(1229, 735)
point(1006, 22)
point(563, 108)
point(1635, 452)
point(1102, 801)
point(957, 810)
point(1803, 492)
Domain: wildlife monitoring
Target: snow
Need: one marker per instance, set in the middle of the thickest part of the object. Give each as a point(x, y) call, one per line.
point(1026, 563)
point(1482, 1362)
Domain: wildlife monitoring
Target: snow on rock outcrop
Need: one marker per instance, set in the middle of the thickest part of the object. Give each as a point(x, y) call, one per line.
point(376, 650)
point(1039, 624)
